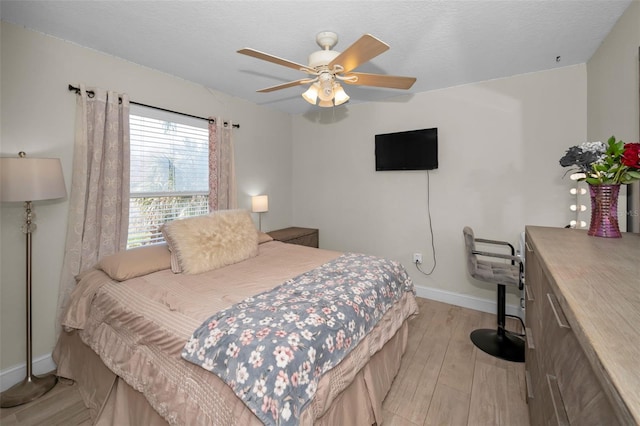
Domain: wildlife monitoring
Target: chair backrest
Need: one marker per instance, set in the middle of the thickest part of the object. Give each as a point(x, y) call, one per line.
point(497, 272)
point(470, 245)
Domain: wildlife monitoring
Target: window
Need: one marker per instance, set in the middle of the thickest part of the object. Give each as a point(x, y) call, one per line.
point(169, 171)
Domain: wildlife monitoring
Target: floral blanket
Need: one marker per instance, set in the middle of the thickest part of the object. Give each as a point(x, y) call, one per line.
point(272, 349)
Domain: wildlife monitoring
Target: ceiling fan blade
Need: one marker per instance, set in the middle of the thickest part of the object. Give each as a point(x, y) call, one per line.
point(362, 50)
point(274, 59)
point(381, 80)
point(286, 85)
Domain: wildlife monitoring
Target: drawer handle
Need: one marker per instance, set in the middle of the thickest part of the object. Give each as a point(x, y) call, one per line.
point(526, 245)
point(560, 318)
point(529, 338)
point(556, 399)
point(529, 293)
point(527, 379)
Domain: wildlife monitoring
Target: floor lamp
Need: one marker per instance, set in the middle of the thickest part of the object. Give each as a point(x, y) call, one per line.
point(260, 204)
point(28, 180)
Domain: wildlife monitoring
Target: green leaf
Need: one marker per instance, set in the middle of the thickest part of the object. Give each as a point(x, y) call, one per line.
point(593, 181)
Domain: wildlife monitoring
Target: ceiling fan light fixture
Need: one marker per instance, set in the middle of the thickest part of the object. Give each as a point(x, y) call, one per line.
point(326, 94)
point(311, 95)
point(340, 96)
point(328, 67)
point(326, 86)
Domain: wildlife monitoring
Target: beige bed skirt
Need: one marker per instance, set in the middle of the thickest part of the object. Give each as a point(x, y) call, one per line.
point(111, 401)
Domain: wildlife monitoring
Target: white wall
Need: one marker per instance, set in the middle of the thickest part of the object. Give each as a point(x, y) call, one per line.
point(613, 104)
point(499, 146)
point(38, 117)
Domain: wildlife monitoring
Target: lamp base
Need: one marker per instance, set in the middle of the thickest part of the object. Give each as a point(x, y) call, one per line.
point(29, 389)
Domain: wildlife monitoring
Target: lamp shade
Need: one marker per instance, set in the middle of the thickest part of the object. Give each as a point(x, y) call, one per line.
point(31, 179)
point(260, 204)
point(311, 95)
point(340, 95)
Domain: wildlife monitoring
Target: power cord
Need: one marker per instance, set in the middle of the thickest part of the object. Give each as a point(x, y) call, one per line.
point(521, 322)
point(433, 247)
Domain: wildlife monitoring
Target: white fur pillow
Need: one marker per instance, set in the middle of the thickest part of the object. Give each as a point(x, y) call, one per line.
point(204, 243)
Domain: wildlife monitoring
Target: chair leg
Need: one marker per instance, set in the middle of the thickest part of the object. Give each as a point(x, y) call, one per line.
point(499, 343)
point(502, 301)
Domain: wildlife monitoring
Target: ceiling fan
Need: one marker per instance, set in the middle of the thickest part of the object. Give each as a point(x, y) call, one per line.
point(327, 68)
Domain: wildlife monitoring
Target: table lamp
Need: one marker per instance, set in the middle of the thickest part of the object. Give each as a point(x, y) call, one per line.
point(259, 204)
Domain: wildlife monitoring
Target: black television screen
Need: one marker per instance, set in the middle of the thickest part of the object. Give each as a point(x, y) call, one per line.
point(410, 150)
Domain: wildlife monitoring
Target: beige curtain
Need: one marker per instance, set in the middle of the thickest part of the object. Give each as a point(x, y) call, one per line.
point(222, 179)
point(99, 202)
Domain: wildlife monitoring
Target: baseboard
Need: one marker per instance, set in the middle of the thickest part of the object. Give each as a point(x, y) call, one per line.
point(465, 301)
point(17, 373)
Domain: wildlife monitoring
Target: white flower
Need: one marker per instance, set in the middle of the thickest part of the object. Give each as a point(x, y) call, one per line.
point(232, 350)
point(259, 388)
point(286, 411)
point(265, 321)
point(290, 317)
point(255, 359)
point(210, 341)
point(595, 147)
point(208, 364)
point(201, 353)
point(294, 340)
point(329, 343)
point(283, 356)
point(191, 346)
point(311, 389)
point(242, 374)
point(280, 384)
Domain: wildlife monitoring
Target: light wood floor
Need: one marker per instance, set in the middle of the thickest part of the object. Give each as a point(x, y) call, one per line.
point(444, 380)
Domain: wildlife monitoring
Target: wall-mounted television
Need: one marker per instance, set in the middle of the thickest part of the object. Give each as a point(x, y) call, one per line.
point(409, 150)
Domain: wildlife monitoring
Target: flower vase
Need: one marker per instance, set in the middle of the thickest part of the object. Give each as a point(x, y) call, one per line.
point(604, 211)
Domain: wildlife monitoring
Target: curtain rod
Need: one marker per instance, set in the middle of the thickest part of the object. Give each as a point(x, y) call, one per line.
point(235, 126)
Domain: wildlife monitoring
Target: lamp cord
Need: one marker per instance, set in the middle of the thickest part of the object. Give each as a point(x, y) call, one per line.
point(433, 247)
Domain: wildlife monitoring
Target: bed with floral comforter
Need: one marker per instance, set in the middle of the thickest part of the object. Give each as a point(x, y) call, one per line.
point(124, 340)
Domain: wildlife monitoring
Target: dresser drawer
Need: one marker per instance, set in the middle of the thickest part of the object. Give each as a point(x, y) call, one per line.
point(580, 393)
point(535, 395)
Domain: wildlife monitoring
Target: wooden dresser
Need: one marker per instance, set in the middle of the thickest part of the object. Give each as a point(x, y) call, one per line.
point(295, 235)
point(583, 328)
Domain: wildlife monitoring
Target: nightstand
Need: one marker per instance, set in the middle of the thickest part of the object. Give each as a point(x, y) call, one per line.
point(294, 235)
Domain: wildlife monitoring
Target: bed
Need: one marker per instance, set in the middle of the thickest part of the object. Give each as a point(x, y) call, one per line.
point(130, 320)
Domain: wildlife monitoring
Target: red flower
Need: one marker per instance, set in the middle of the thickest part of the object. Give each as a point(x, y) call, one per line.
point(631, 155)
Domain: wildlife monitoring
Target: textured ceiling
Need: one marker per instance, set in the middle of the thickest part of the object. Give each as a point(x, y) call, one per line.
point(442, 43)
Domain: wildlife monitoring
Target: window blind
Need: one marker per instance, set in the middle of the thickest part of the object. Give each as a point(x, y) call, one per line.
point(169, 172)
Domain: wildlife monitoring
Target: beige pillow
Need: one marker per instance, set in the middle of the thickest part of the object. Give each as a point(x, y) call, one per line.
point(212, 241)
point(264, 237)
point(136, 262)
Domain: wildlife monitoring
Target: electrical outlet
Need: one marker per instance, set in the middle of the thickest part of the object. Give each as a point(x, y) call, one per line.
point(417, 258)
